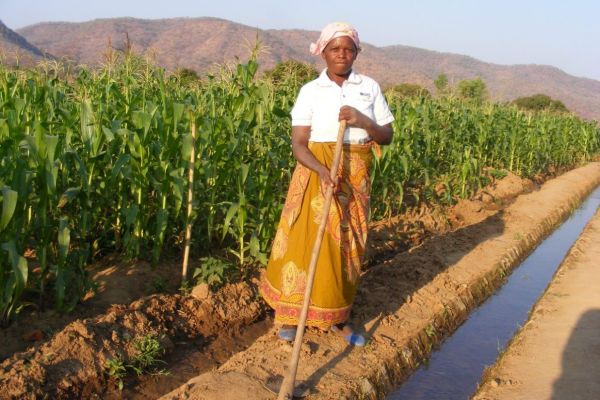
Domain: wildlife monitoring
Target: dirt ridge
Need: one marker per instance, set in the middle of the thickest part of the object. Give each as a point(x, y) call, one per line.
point(472, 263)
point(73, 363)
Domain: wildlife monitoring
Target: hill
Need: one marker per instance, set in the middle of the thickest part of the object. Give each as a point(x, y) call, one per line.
point(13, 46)
point(200, 43)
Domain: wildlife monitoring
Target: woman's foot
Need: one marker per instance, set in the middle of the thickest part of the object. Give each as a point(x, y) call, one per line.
point(287, 333)
point(345, 330)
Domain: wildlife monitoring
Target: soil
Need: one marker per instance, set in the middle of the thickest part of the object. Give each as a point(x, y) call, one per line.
point(118, 282)
point(422, 265)
point(73, 363)
point(189, 359)
point(555, 355)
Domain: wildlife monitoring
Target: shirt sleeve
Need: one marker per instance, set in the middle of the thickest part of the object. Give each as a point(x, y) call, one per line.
point(302, 111)
point(382, 112)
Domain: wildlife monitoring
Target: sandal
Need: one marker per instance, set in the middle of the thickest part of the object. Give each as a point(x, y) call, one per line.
point(287, 333)
point(353, 339)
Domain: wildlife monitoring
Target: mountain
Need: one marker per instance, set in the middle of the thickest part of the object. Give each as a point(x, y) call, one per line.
point(13, 45)
point(197, 43)
point(200, 43)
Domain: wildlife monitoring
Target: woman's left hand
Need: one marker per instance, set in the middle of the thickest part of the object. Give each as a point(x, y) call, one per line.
point(354, 117)
point(382, 134)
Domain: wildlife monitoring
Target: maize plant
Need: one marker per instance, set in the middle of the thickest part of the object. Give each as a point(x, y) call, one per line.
point(96, 161)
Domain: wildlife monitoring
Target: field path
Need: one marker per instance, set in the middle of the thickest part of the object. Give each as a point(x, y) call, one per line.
point(406, 305)
point(557, 353)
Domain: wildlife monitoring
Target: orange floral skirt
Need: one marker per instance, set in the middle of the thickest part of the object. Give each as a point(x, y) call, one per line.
point(343, 246)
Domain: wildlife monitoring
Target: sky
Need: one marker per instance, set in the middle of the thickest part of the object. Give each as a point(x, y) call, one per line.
point(561, 33)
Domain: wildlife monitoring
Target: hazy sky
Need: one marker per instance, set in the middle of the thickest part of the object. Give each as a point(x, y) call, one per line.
point(562, 33)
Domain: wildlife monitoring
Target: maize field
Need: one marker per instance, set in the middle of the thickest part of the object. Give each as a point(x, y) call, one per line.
point(95, 161)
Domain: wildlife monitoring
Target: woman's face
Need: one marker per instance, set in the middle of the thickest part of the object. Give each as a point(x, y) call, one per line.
point(339, 54)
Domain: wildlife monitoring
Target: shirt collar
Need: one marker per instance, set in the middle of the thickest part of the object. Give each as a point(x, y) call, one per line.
point(323, 79)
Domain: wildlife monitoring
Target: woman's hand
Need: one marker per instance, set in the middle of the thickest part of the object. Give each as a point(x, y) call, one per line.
point(382, 134)
point(354, 117)
point(300, 135)
point(326, 181)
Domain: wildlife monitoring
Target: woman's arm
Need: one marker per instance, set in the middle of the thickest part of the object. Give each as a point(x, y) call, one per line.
point(381, 134)
point(300, 136)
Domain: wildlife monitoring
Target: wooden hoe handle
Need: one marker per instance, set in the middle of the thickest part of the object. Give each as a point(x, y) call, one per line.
point(287, 387)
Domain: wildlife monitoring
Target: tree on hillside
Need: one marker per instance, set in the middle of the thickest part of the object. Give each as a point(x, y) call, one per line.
point(292, 70)
point(186, 75)
point(407, 90)
point(540, 102)
point(441, 83)
point(473, 89)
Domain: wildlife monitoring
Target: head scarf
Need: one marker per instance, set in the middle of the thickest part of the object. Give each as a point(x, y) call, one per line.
point(332, 31)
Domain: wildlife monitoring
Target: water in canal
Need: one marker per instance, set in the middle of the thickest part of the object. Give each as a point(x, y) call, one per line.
point(454, 370)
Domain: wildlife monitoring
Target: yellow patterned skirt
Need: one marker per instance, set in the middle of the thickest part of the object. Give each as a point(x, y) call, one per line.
point(343, 247)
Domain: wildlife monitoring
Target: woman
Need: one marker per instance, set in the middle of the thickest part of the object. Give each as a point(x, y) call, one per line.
point(337, 94)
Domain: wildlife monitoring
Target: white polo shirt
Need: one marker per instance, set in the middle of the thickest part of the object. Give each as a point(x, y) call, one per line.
point(319, 102)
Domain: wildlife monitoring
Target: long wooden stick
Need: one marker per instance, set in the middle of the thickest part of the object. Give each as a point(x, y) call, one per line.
point(188, 227)
point(287, 387)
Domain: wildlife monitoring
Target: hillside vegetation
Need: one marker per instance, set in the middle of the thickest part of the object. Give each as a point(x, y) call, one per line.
point(15, 47)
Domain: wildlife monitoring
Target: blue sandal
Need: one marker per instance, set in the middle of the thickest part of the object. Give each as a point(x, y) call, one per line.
point(353, 339)
point(288, 333)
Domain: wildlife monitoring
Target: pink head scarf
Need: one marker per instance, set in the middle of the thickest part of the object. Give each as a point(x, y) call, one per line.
point(332, 31)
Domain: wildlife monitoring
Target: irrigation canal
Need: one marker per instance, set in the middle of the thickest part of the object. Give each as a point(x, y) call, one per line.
point(454, 369)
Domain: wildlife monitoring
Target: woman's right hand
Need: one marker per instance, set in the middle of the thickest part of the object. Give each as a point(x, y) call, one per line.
point(326, 181)
point(300, 135)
